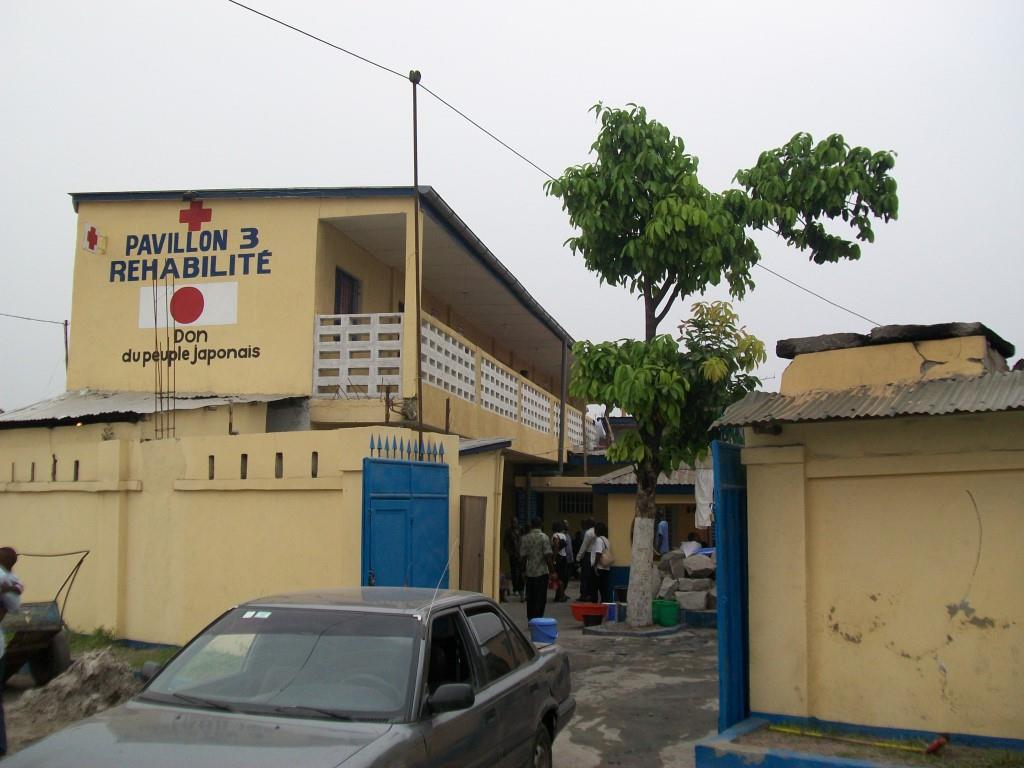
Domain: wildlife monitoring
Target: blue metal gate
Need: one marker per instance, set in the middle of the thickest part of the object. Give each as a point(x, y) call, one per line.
point(405, 522)
point(731, 540)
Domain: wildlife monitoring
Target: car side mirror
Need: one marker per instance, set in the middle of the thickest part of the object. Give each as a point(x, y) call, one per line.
point(450, 697)
point(149, 670)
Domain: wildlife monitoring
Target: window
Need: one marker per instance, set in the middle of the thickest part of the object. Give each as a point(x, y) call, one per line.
point(448, 660)
point(580, 504)
point(524, 650)
point(293, 662)
point(496, 650)
point(221, 657)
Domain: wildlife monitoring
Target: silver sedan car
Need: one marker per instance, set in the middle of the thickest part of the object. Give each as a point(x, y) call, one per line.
point(358, 677)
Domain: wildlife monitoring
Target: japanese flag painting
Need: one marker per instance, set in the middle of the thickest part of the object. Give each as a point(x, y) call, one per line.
point(188, 304)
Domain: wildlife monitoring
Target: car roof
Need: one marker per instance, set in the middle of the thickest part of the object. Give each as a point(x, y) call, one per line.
point(377, 599)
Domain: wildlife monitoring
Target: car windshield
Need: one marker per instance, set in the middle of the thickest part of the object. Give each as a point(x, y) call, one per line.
point(296, 662)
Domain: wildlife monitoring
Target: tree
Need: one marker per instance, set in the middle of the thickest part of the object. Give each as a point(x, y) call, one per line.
point(645, 222)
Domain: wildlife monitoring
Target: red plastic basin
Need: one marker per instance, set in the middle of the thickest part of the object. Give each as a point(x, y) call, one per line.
point(579, 610)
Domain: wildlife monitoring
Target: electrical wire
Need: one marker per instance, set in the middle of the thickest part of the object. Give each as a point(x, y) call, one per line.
point(396, 73)
point(33, 319)
point(473, 122)
point(511, 149)
point(818, 295)
point(318, 39)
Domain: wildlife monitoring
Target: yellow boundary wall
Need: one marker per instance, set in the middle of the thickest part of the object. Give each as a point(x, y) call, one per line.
point(887, 572)
point(171, 548)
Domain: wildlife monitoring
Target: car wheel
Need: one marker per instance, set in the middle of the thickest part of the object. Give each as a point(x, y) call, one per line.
point(542, 748)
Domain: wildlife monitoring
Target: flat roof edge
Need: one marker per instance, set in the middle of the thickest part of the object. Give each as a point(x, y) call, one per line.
point(441, 211)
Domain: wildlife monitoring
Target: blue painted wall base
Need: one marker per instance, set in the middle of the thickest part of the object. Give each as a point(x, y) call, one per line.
point(721, 751)
point(700, 619)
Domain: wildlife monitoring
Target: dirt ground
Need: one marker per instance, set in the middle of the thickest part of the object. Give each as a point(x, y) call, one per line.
point(96, 680)
point(639, 701)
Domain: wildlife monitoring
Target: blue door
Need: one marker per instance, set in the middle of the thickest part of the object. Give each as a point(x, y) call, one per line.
point(731, 541)
point(405, 523)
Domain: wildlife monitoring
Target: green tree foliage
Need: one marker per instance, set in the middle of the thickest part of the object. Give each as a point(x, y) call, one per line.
point(645, 222)
point(792, 188)
point(674, 392)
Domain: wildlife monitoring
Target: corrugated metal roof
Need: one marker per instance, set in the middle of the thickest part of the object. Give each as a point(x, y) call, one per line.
point(468, 445)
point(91, 403)
point(626, 476)
point(980, 394)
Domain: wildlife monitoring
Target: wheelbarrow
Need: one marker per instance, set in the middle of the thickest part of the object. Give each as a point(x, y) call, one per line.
point(36, 634)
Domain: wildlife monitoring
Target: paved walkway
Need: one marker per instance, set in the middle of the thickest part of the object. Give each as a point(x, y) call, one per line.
point(640, 702)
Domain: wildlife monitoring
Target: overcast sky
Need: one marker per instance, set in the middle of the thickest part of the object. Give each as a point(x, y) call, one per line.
point(110, 96)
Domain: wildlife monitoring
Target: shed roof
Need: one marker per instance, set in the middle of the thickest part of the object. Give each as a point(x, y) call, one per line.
point(469, 446)
point(989, 393)
point(94, 405)
point(626, 476)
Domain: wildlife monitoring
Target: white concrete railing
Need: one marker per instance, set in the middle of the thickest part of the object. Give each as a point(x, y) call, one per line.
point(574, 429)
point(536, 408)
point(360, 356)
point(447, 363)
point(357, 355)
point(499, 390)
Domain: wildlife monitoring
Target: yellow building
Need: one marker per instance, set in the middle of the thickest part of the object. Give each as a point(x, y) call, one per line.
point(236, 359)
point(885, 535)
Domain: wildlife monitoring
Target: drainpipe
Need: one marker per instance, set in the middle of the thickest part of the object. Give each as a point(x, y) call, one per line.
point(529, 483)
point(496, 543)
point(561, 417)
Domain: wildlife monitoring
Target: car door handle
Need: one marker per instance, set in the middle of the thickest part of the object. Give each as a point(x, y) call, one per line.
point(490, 716)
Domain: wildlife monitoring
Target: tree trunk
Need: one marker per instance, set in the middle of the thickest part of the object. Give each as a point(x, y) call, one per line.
point(641, 590)
point(650, 318)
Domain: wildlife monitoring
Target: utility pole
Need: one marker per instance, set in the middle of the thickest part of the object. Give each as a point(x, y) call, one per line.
point(414, 78)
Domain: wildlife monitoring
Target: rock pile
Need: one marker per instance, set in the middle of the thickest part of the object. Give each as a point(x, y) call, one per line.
point(688, 580)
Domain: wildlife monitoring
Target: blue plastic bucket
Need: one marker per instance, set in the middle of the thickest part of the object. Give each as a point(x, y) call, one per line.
point(610, 612)
point(543, 630)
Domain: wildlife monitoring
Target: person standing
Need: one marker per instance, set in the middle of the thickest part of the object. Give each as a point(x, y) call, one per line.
point(661, 543)
point(561, 544)
point(570, 552)
point(577, 540)
point(538, 567)
point(511, 544)
point(602, 568)
point(587, 583)
point(10, 600)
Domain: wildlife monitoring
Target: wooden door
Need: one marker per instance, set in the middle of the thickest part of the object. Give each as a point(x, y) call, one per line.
point(473, 511)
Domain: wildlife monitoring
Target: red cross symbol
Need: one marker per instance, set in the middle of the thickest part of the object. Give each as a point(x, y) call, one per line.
point(92, 238)
point(194, 215)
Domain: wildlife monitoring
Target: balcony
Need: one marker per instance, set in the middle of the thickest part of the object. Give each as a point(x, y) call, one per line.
point(359, 359)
